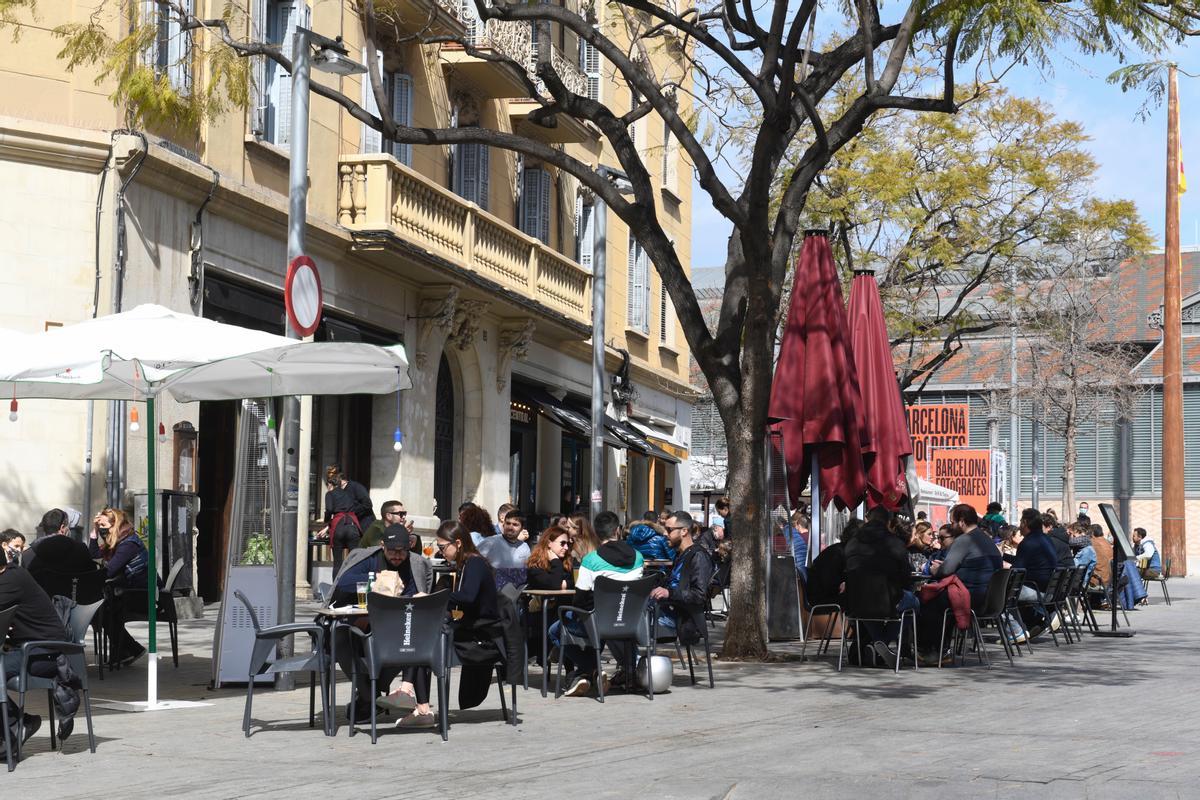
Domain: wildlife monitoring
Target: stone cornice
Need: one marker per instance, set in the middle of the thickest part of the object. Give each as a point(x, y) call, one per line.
point(52, 145)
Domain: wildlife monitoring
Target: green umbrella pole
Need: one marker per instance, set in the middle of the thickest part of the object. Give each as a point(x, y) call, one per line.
point(152, 567)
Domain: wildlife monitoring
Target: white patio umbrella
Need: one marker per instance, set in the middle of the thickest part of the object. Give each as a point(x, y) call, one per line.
point(139, 354)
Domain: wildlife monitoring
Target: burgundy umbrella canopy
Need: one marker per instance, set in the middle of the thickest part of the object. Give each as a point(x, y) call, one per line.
point(815, 396)
point(886, 430)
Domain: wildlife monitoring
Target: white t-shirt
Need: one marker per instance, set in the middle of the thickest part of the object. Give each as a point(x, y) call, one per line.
point(503, 554)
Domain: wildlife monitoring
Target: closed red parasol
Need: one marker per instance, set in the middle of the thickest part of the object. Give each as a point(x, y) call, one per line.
point(815, 396)
point(884, 425)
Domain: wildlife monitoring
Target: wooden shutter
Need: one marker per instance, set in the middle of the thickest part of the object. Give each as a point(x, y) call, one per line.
point(531, 189)
point(402, 102)
point(371, 140)
point(662, 314)
point(638, 288)
point(466, 171)
point(544, 212)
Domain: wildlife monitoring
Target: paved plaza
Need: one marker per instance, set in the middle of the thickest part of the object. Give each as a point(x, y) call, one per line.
point(1105, 718)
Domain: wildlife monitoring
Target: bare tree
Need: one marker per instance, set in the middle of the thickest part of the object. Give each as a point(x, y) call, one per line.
point(741, 66)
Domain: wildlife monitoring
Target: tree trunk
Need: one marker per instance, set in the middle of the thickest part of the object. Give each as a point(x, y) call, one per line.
point(1070, 456)
point(746, 629)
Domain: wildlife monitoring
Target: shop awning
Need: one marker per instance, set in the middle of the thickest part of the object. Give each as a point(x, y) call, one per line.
point(566, 415)
point(667, 447)
point(637, 441)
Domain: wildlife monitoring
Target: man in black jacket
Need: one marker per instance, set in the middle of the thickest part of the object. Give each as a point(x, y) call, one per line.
point(56, 550)
point(878, 577)
point(35, 620)
point(686, 592)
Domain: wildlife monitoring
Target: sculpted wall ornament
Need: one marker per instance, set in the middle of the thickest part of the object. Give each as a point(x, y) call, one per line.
point(514, 346)
point(436, 313)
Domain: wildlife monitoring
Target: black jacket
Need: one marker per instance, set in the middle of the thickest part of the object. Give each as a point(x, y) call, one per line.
point(826, 574)
point(550, 578)
point(877, 571)
point(1062, 547)
point(691, 575)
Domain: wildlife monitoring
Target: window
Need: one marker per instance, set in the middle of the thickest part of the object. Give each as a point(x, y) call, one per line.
point(637, 309)
point(585, 219)
point(171, 52)
point(398, 86)
point(471, 168)
point(670, 158)
point(273, 105)
point(535, 203)
point(589, 64)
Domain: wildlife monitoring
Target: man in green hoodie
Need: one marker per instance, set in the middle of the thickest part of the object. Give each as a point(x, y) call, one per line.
point(612, 559)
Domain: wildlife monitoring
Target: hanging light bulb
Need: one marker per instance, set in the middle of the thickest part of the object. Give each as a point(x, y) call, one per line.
point(134, 425)
point(162, 433)
point(398, 441)
point(12, 410)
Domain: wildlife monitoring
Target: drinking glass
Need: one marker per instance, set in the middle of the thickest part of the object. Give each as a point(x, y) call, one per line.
point(362, 594)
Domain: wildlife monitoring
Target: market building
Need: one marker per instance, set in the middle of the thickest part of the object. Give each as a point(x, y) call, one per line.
point(476, 259)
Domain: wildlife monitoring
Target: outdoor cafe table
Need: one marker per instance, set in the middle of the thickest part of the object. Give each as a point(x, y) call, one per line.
point(546, 595)
point(657, 563)
point(334, 616)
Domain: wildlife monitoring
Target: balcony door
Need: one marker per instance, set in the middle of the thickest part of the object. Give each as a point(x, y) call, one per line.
point(443, 442)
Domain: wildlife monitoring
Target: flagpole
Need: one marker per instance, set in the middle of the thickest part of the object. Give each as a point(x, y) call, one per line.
point(1174, 534)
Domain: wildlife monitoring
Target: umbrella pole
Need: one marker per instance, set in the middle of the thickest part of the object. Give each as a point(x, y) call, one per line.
point(152, 568)
point(814, 533)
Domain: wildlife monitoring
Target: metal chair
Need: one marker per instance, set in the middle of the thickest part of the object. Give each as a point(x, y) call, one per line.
point(313, 662)
point(405, 632)
point(619, 614)
point(681, 647)
point(862, 604)
point(6, 618)
point(24, 680)
point(832, 610)
point(1045, 603)
point(1161, 580)
point(1016, 581)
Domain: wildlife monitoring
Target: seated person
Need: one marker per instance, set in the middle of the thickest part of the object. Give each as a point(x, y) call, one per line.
point(1147, 553)
point(1060, 539)
point(974, 558)
point(57, 551)
point(796, 535)
point(13, 542)
point(549, 569)
point(416, 578)
point(878, 577)
point(651, 541)
point(508, 550)
point(686, 592)
point(392, 513)
point(1038, 556)
point(127, 565)
point(920, 547)
point(827, 573)
point(35, 620)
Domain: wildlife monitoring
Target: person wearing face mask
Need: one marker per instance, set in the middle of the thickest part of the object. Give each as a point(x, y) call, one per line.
point(13, 542)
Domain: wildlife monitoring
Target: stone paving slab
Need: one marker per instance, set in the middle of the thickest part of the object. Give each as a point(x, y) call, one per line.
point(1104, 718)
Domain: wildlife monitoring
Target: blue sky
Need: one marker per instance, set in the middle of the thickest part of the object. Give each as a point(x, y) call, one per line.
point(1131, 152)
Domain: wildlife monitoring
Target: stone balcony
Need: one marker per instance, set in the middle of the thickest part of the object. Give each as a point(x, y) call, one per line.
point(378, 194)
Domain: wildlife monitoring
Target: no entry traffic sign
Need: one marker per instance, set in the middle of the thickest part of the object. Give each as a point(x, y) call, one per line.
point(302, 296)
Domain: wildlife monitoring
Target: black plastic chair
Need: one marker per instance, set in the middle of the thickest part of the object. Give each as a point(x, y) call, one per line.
point(24, 681)
point(6, 618)
point(1016, 581)
point(266, 640)
point(862, 604)
point(991, 611)
point(619, 614)
point(133, 608)
point(405, 632)
point(1045, 603)
point(680, 646)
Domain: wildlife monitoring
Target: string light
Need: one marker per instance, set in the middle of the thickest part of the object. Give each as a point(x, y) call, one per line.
point(12, 408)
point(398, 441)
point(134, 425)
point(162, 433)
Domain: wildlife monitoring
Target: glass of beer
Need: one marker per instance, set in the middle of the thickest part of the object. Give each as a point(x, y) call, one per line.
point(362, 594)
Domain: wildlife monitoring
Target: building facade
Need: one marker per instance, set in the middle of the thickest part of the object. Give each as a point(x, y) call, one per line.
point(1119, 456)
point(478, 260)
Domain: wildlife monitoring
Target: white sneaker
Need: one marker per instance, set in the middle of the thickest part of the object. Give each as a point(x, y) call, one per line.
point(1055, 622)
point(578, 686)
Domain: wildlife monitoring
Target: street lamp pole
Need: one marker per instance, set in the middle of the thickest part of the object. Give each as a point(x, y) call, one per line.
point(331, 60)
point(599, 285)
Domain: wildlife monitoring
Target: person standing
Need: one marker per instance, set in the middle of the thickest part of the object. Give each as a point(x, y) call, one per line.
point(347, 513)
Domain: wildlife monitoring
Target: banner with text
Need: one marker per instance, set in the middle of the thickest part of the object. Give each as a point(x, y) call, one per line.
point(934, 427)
point(968, 472)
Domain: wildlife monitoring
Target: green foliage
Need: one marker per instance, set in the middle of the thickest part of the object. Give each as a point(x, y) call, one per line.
point(258, 551)
point(13, 11)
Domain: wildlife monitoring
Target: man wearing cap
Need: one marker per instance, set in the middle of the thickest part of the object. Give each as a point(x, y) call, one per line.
point(416, 577)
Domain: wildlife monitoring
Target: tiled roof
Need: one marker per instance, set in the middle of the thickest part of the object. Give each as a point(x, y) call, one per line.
point(1151, 365)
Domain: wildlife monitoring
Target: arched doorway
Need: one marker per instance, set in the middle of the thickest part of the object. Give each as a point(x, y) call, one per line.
point(443, 442)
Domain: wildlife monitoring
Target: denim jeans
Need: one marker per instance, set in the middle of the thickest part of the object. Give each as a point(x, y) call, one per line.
point(573, 655)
